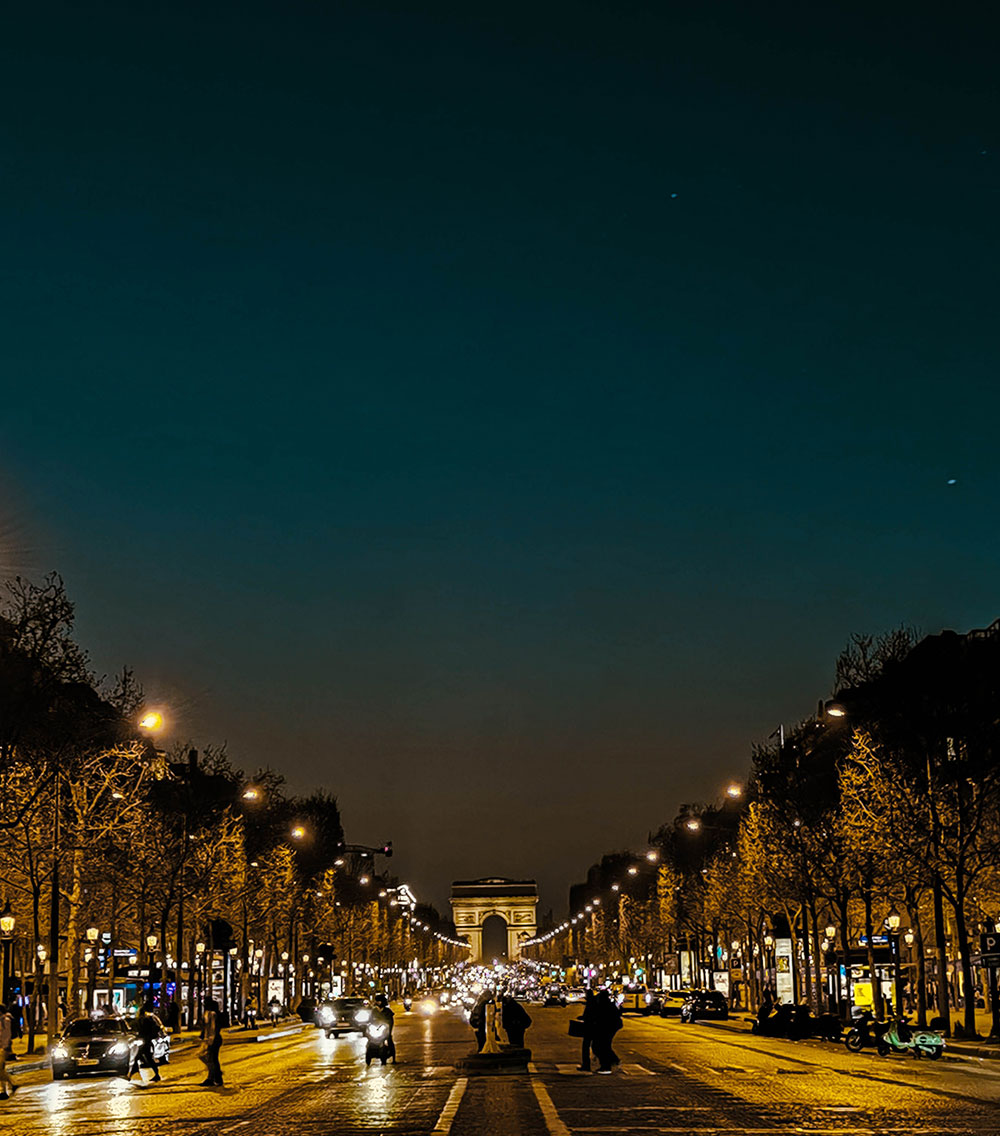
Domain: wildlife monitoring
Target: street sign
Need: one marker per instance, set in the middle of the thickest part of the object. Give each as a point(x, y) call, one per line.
point(989, 944)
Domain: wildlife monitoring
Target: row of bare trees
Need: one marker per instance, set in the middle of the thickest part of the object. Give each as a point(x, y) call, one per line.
point(100, 829)
point(885, 803)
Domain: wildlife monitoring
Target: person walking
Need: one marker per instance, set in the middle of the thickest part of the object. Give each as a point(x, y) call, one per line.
point(514, 1019)
point(477, 1018)
point(6, 1037)
point(147, 1029)
point(212, 1035)
point(607, 1021)
point(589, 1010)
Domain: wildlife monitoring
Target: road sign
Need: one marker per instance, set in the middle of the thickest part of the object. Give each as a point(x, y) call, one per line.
point(989, 944)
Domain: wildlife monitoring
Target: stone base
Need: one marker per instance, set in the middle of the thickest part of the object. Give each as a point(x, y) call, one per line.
point(508, 1060)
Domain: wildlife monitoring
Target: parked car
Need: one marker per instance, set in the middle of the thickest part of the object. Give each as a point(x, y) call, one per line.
point(103, 1043)
point(341, 1015)
point(709, 1005)
point(672, 1002)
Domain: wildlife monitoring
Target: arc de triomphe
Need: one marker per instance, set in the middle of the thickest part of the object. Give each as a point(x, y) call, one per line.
point(500, 904)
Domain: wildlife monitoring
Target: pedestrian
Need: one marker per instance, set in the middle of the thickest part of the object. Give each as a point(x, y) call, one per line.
point(606, 1022)
point(589, 1009)
point(515, 1020)
point(212, 1037)
point(477, 1018)
point(6, 1037)
point(147, 1027)
point(173, 1018)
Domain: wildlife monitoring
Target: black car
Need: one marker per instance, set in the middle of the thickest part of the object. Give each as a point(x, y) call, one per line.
point(709, 1005)
point(102, 1044)
point(341, 1015)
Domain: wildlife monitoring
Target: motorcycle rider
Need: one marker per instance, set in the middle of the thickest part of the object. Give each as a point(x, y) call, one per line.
point(382, 1013)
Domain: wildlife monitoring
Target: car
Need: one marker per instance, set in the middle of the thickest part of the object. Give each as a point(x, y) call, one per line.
point(103, 1043)
point(574, 994)
point(638, 1000)
point(672, 1001)
point(554, 995)
point(341, 1015)
point(709, 1005)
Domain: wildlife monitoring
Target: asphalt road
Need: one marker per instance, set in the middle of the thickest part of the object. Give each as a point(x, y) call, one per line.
point(674, 1079)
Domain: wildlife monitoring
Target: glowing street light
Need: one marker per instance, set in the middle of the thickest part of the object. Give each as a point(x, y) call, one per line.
point(692, 824)
point(734, 791)
point(152, 721)
point(298, 832)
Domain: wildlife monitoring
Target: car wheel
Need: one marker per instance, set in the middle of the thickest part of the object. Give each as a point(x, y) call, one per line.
point(57, 1074)
point(934, 1052)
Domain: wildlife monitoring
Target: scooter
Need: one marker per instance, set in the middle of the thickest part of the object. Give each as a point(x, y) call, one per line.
point(901, 1037)
point(379, 1041)
point(407, 1003)
point(865, 1033)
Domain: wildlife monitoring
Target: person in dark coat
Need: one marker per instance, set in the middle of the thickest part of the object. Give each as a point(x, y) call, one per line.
point(589, 1009)
point(477, 1017)
point(515, 1020)
point(147, 1028)
point(605, 1022)
point(383, 1013)
point(212, 1035)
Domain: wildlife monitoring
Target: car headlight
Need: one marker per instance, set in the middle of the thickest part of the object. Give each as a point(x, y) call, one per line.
point(326, 1015)
point(649, 998)
point(119, 1049)
point(60, 1051)
point(362, 1016)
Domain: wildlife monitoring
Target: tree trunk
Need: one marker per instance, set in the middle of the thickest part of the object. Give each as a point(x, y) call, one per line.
point(965, 955)
point(74, 897)
point(877, 1007)
point(943, 1001)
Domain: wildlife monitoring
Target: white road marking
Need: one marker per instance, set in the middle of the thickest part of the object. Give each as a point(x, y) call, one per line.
point(638, 1071)
point(570, 1071)
point(553, 1122)
point(233, 1127)
point(447, 1117)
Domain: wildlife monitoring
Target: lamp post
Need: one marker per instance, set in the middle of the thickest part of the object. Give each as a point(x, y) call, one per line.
point(7, 933)
point(284, 973)
point(829, 944)
point(768, 944)
point(92, 965)
point(151, 941)
point(892, 921)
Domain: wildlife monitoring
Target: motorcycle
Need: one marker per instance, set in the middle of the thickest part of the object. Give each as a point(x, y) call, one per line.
point(866, 1033)
point(378, 1036)
point(901, 1037)
point(407, 1003)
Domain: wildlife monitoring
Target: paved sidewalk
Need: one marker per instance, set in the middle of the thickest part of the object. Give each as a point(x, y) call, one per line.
point(953, 1047)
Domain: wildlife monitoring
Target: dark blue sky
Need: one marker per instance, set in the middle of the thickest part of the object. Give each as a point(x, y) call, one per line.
point(500, 415)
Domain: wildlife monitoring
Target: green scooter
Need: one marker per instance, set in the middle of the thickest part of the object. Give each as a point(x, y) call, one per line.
point(901, 1037)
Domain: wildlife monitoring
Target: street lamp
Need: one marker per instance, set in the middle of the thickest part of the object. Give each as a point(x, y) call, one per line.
point(7, 922)
point(892, 921)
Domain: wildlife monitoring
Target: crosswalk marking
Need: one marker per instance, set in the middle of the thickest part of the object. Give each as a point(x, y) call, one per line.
point(638, 1071)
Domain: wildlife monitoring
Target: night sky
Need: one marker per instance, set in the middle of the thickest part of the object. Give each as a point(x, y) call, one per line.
point(499, 415)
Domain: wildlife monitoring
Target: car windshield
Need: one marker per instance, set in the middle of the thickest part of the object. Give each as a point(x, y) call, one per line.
point(90, 1028)
point(347, 1003)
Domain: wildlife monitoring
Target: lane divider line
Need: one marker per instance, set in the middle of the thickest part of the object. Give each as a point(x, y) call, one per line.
point(553, 1121)
point(447, 1117)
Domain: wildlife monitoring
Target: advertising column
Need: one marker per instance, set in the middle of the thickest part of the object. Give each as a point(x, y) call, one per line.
point(784, 978)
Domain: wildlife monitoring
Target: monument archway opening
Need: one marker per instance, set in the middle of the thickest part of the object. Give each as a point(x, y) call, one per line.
point(475, 902)
point(494, 938)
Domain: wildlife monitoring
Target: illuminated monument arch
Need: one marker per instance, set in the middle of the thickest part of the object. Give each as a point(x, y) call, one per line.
point(494, 915)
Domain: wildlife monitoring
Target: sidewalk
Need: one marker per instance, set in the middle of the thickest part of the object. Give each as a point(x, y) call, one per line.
point(179, 1042)
point(740, 1023)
